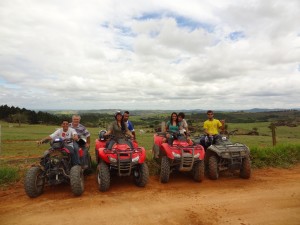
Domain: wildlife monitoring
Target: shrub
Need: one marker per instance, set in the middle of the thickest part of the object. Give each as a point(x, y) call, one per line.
point(278, 156)
point(8, 175)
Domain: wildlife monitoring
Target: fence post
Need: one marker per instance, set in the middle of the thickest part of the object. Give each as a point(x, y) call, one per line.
point(273, 129)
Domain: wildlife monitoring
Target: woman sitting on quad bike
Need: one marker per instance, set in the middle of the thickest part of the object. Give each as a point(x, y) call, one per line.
point(172, 126)
point(119, 131)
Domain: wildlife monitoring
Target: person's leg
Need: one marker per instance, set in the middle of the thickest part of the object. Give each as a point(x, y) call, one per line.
point(74, 155)
point(111, 143)
point(129, 143)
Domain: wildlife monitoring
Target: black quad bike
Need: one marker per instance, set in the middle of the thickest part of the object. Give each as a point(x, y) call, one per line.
point(221, 154)
point(55, 167)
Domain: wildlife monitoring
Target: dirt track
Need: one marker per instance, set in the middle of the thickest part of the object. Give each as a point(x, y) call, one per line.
point(271, 196)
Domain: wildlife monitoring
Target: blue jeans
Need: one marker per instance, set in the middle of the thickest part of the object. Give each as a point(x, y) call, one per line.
point(74, 155)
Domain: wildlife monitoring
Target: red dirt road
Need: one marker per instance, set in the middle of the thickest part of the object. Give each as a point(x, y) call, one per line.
point(270, 196)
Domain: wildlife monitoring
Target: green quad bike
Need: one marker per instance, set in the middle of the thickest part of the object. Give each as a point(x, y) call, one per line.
point(221, 154)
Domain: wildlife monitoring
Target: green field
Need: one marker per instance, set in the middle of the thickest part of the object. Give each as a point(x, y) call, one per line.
point(19, 149)
point(21, 141)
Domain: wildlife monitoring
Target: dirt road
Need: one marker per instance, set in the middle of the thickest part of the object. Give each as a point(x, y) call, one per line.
point(271, 196)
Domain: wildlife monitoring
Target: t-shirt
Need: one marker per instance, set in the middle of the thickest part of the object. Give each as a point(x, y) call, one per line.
point(117, 131)
point(65, 135)
point(183, 124)
point(171, 127)
point(130, 125)
point(212, 126)
point(81, 130)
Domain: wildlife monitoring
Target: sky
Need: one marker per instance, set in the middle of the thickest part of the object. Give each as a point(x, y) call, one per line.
point(80, 55)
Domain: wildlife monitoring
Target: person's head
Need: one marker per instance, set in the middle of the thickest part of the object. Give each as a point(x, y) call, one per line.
point(210, 114)
point(125, 116)
point(174, 117)
point(65, 124)
point(76, 120)
point(118, 116)
point(181, 116)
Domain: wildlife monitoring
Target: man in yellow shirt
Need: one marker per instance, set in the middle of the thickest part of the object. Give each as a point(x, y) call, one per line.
point(211, 127)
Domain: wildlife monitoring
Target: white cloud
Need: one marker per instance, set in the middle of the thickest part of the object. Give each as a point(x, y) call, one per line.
point(149, 55)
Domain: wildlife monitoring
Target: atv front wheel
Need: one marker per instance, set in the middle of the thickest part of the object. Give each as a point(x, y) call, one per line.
point(77, 180)
point(164, 170)
point(34, 182)
point(141, 175)
point(245, 171)
point(198, 171)
point(213, 170)
point(103, 176)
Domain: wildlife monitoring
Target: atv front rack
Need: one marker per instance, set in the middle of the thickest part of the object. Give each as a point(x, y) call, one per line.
point(123, 165)
point(187, 159)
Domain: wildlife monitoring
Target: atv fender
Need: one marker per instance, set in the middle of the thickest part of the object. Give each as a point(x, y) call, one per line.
point(142, 156)
point(167, 149)
point(102, 155)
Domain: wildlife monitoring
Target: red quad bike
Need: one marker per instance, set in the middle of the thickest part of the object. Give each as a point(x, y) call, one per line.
point(54, 168)
point(121, 160)
point(178, 154)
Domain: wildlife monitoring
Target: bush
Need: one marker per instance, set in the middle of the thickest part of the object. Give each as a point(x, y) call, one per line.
point(8, 175)
point(278, 156)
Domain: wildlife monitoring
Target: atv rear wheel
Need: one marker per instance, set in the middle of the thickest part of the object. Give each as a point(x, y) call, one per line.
point(141, 175)
point(34, 182)
point(245, 171)
point(164, 170)
point(213, 170)
point(77, 180)
point(103, 176)
point(198, 171)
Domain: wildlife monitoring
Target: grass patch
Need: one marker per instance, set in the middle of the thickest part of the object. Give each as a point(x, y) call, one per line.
point(283, 155)
point(8, 175)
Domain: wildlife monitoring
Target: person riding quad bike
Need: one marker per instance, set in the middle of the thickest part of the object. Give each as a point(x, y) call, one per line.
point(178, 154)
point(117, 154)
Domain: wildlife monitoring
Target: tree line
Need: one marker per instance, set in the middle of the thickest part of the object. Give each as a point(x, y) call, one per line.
point(12, 114)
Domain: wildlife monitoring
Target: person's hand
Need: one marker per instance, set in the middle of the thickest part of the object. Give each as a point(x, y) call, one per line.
point(40, 142)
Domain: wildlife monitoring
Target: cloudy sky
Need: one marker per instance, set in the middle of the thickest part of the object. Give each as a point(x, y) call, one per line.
point(136, 54)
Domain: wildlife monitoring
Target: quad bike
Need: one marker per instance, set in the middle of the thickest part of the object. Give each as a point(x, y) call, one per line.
point(55, 167)
point(221, 154)
point(121, 160)
point(178, 154)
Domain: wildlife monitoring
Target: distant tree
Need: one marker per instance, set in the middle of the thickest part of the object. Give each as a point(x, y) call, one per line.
point(19, 118)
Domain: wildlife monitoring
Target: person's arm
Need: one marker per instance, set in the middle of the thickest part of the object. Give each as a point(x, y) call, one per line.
point(206, 129)
point(88, 141)
point(44, 140)
point(222, 127)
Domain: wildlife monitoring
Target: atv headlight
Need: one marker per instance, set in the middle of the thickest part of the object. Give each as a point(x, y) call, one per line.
point(135, 159)
point(226, 154)
point(176, 155)
point(112, 160)
point(197, 155)
point(243, 153)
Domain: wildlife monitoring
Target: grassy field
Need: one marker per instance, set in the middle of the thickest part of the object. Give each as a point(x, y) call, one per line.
point(19, 149)
point(21, 141)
